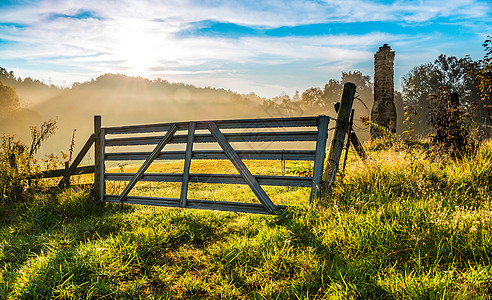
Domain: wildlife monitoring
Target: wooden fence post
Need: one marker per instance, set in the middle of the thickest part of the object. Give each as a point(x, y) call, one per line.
point(65, 183)
point(337, 144)
point(354, 139)
point(98, 160)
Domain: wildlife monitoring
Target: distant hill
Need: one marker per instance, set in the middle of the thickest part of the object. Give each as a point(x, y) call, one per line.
point(30, 91)
point(123, 100)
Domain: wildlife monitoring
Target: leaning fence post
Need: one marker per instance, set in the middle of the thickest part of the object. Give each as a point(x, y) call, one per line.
point(66, 183)
point(354, 139)
point(98, 160)
point(337, 144)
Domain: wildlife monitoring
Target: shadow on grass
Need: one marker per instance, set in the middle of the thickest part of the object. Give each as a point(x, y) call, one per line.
point(337, 273)
point(57, 220)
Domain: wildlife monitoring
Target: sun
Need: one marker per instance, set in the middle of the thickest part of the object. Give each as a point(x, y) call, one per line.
point(137, 49)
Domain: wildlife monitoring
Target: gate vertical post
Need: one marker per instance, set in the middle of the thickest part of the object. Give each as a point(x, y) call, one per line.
point(187, 164)
point(98, 160)
point(341, 128)
point(319, 159)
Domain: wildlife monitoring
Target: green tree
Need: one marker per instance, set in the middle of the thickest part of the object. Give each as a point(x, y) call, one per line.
point(313, 98)
point(9, 101)
point(450, 72)
point(332, 92)
point(364, 85)
point(483, 76)
point(296, 97)
point(484, 71)
point(4, 74)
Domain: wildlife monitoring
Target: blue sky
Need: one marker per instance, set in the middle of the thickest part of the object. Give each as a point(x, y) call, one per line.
point(266, 47)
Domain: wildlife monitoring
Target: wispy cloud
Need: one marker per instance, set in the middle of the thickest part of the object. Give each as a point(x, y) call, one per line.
point(202, 41)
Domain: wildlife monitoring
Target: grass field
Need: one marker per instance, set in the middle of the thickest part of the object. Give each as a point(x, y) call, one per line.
point(404, 225)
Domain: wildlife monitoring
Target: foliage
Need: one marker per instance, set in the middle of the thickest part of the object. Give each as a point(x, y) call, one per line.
point(317, 98)
point(313, 97)
point(423, 80)
point(46, 130)
point(300, 168)
point(452, 131)
point(8, 77)
point(16, 166)
point(410, 114)
point(9, 101)
point(483, 71)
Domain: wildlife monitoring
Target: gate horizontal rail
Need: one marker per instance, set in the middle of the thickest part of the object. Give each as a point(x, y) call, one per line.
point(307, 155)
point(215, 178)
point(295, 136)
point(222, 124)
point(196, 204)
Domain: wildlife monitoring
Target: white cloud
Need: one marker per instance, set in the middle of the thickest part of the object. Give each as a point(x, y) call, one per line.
point(139, 37)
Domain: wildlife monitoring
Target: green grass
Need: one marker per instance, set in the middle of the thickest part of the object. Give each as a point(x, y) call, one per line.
point(404, 226)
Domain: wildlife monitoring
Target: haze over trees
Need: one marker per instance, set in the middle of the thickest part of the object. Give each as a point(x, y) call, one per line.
point(12, 115)
point(131, 100)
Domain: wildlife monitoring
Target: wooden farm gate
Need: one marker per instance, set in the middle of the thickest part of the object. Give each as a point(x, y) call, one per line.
point(223, 132)
point(300, 129)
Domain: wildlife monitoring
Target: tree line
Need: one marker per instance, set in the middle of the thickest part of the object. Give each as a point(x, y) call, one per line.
point(470, 79)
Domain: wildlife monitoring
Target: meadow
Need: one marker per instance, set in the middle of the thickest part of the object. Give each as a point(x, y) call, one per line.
point(407, 224)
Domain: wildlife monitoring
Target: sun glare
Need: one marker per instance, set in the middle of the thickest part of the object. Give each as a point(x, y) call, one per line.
point(138, 49)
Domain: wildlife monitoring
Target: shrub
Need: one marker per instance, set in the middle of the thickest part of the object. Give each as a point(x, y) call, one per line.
point(16, 166)
point(452, 131)
point(17, 163)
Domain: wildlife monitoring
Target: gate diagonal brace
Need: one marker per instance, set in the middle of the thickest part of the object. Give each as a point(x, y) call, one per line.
point(148, 162)
point(66, 178)
point(243, 170)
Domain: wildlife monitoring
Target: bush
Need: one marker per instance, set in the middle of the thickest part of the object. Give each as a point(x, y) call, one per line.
point(16, 167)
point(452, 131)
point(17, 163)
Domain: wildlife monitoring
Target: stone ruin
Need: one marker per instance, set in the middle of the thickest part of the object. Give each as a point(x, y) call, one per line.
point(383, 110)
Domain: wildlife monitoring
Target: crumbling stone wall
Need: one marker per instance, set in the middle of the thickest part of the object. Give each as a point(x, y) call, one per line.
point(383, 110)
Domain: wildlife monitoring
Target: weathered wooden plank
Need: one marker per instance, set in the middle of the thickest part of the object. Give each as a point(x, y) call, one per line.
point(170, 202)
point(102, 170)
point(320, 158)
point(351, 121)
point(307, 155)
point(147, 162)
point(242, 169)
point(196, 204)
point(294, 136)
point(341, 128)
point(358, 146)
point(98, 159)
point(222, 124)
point(296, 181)
point(61, 172)
point(354, 140)
point(255, 208)
point(77, 160)
point(187, 164)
